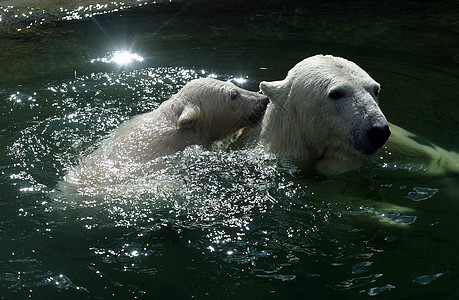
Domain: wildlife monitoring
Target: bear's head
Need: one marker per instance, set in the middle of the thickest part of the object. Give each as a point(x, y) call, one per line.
point(215, 109)
point(327, 106)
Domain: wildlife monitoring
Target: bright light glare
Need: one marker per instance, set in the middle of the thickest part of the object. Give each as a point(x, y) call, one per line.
point(240, 80)
point(120, 58)
point(125, 57)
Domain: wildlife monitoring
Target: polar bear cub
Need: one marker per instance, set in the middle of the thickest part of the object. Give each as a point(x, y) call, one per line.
point(325, 111)
point(203, 111)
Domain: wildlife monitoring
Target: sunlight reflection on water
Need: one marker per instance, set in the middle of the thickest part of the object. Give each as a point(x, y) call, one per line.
point(237, 200)
point(122, 57)
point(216, 224)
point(23, 14)
point(243, 208)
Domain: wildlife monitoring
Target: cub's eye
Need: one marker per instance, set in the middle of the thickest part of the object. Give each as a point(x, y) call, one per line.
point(234, 95)
point(336, 94)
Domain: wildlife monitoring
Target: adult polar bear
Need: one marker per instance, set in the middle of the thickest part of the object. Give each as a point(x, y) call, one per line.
point(326, 111)
point(204, 111)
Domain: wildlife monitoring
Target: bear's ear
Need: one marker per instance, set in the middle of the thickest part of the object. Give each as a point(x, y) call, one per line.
point(277, 91)
point(188, 117)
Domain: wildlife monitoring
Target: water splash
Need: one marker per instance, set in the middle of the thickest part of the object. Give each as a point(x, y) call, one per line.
point(239, 209)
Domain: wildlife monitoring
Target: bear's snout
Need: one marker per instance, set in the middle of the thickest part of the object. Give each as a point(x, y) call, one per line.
point(262, 102)
point(378, 135)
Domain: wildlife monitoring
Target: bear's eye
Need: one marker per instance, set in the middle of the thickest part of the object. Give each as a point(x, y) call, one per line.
point(234, 95)
point(336, 94)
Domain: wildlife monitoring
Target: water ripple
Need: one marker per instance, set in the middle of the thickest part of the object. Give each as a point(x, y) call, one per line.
point(421, 193)
point(26, 14)
point(243, 209)
point(426, 279)
point(374, 291)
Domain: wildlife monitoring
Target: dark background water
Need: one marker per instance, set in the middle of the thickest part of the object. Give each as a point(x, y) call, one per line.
point(216, 224)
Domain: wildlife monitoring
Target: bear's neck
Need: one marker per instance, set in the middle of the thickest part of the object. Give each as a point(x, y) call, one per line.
point(302, 137)
point(281, 133)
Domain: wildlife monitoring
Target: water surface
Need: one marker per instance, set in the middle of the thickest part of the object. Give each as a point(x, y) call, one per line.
point(238, 223)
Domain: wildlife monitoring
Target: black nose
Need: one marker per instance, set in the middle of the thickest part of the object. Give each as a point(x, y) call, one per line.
point(378, 135)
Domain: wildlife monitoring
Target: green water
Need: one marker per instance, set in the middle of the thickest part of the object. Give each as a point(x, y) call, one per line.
point(239, 224)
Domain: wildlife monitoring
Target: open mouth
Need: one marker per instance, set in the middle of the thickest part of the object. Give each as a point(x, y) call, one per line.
point(228, 139)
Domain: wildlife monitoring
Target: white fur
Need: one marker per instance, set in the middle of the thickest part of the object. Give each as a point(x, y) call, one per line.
point(304, 122)
point(204, 111)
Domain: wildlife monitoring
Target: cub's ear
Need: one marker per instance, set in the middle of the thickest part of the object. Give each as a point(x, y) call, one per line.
point(277, 91)
point(188, 117)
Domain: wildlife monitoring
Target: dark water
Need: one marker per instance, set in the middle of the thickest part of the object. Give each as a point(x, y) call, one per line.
point(225, 224)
